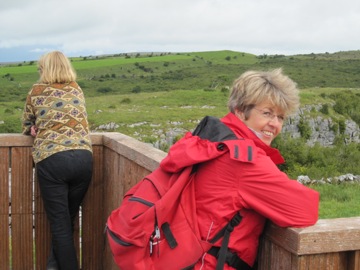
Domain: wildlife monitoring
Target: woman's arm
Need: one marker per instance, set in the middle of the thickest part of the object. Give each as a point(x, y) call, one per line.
point(268, 191)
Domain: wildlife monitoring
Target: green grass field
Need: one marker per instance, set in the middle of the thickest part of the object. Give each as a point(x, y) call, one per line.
point(339, 200)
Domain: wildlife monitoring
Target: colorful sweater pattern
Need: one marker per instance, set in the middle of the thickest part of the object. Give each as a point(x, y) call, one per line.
point(59, 113)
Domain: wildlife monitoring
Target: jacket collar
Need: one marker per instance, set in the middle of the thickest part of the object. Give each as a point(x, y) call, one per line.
point(242, 131)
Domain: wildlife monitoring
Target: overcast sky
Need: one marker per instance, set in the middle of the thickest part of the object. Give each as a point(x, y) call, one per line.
point(29, 28)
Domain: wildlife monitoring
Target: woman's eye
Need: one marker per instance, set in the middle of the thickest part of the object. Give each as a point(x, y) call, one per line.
point(267, 114)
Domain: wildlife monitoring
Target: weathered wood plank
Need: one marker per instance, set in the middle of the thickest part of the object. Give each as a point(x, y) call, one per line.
point(143, 154)
point(113, 191)
point(14, 139)
point(97, 138)
point(4, 208)
point(354, 260)
point(21, 208)
point(42, 230)
point(272, 256)
point(326, 261)
point(327, 235)
point(92, 222)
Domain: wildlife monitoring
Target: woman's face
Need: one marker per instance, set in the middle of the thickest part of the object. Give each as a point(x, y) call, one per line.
point(265, 120)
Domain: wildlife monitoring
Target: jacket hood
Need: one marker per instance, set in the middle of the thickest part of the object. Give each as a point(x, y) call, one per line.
point(190, 150)
point(211, 139)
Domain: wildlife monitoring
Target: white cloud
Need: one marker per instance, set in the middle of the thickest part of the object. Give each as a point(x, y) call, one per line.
point(113, 26)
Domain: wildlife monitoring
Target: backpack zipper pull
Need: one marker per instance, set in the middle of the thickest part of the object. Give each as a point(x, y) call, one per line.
point(154, 239)
point(151, 246)
point(157, 237)
point(157, 232)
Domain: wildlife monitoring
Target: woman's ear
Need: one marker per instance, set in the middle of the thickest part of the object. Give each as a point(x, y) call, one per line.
point(240, 115)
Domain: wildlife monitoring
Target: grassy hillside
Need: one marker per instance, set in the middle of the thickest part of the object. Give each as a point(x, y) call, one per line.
point(144, 88)
point(125, 73)
point(160, 96)
point(128, 75)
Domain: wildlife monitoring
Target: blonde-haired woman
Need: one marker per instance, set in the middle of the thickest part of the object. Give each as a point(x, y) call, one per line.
point(244, 178)
point(55, 114)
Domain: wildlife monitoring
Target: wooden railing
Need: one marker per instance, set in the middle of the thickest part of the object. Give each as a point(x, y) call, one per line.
point(119, 162)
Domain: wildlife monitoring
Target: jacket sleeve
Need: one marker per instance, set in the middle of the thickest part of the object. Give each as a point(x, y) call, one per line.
point(268, 191)
point(28, 118)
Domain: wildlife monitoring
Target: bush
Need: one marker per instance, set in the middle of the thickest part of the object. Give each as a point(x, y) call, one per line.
point(317, 161)
point(325, 109)
point(81, 84)
point(125, 101)
point(104, 90)
point(304, 129)
point(136, 89)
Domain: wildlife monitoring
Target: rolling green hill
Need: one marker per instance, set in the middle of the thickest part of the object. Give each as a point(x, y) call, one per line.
point(129, 73)
point(158, 96)
point(120, 85)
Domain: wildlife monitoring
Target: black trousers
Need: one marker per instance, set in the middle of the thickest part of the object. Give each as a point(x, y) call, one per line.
point(64, 178)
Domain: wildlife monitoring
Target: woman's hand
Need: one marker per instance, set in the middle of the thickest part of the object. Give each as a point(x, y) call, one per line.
point(33, 130)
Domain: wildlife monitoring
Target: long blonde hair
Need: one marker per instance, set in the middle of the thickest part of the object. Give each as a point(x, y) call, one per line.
point(55, 67)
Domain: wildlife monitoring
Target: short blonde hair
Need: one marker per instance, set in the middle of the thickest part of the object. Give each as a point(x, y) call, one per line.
point(55, 67)
point(255, 87)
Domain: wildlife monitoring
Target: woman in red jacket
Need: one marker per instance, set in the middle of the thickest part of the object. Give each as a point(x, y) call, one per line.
point(250, 184)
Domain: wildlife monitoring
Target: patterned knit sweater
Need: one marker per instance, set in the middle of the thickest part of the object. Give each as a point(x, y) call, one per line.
point(59, 113)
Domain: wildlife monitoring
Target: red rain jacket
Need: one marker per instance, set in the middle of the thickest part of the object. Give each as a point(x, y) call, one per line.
point(246, 179)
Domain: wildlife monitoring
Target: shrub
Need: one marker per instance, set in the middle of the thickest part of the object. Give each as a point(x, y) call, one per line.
point(81, 84)
point(342, 126)
point(304, 128)
point(136, 89)
point(325, 109)
point(125, 101)
point(225, 91)
point(104, 90)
